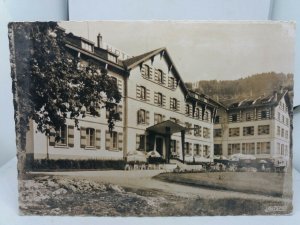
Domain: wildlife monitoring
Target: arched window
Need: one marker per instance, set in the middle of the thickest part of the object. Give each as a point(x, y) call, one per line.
point(141, 116)
point(143, 93)
point(147, 71)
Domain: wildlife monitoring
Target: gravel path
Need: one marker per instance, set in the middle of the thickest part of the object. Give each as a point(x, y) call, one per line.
point(144, 180)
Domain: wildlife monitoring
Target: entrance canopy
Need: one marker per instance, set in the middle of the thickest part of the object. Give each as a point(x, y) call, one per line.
point(166, 127)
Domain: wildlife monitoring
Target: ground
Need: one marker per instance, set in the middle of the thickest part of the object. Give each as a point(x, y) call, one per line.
point(136, 193)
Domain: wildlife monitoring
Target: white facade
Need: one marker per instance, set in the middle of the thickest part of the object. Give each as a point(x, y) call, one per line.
point(262, 130)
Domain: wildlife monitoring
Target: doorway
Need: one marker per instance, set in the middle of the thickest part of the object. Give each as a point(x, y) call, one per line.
point(159, 145)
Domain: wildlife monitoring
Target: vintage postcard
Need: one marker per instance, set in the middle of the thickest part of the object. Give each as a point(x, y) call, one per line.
point(160, 118)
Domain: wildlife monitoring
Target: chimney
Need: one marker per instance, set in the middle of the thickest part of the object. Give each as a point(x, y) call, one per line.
point(99, 41)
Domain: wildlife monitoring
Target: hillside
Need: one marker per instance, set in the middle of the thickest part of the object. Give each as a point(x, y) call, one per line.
point(227, 91)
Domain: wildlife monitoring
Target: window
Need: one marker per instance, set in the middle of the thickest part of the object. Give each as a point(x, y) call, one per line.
point(282, 132)
point(206, 116)
point(112, 58)
point(173, 147)
point(247, 131)
point(263, 148)
point(90, 137)
point(206, 133)
point(160, 78)
point(113, 108)
point(171, 82)
point(140, 142)
point(87, 46)
point(287, 121)
point(147, 71)
point(248, 116)
point(248, 148)
point(206, 151)
point(187, 109)
point(278, 130)
point(197, 113)
point(278, 116)
point(63, 135)
point(143, 93)
point(286, 134)
point(234, 149)
point(263, 129)
point(157, 118)
point(282, 149)
point(173, 103)
point(218, 149)
point(159, 99)
point(278, 148)
point(217, 119)
point(114, 140)
point(141, 116)
point(197, 131)
point(282, 118)
point(217, 132)
point(187, 148)
point(188, 126)
point(197, 150)
point(234, 117)
point(264, 114)
point(234, 132)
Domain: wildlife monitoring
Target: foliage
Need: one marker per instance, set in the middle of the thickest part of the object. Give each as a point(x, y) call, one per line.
point(248, 87)
point(49, 84)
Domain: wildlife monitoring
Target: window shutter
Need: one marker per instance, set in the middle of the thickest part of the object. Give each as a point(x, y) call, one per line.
point(137, 117)
point(178, 105)
point(120, 85)
point(191, 110)
point(138, 91)
point(190, 148)
point(120, 111)
point(155, 98)
point(71, 136)
point(137, 141)
point(147, 94)
point(143, 71)
point(120, 141)
point(171, 102)
point(52, 137)
point(82, 137)
point(169, 82)
point(147, 117)
point(98, 139)
point(163, 100)
point(156, 75)
point(107, 140)
point(151, 72)
point(163, 78)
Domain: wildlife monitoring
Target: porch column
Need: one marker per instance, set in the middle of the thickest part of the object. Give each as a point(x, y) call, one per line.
point(182, 144)
point(168, 145)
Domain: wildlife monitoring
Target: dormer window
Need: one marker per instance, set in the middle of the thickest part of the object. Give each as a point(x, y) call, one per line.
point(87, 46)
point(112, 58)
point(159, 76)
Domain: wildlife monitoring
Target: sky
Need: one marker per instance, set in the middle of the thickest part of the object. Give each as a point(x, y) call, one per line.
point(202, 50)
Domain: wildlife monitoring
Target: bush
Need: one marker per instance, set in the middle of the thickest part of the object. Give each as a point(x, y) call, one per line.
point(66, 164)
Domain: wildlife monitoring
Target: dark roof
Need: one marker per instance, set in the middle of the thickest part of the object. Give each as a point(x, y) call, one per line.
point(131, 62)
point(260, 101)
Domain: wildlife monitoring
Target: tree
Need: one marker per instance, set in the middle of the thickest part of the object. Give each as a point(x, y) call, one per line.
point(49, 83)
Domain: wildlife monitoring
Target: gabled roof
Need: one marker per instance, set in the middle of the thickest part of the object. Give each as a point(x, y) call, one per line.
point(136, 60)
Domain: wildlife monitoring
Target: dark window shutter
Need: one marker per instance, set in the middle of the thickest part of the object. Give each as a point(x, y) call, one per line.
point(71, 136)
point(120, 141)
point(120, 111)
point(82, 137)
point(107, 140)
point(52, 137)
point(147, 94)
point(98, 139)
point(137, 141)
point(147, 117)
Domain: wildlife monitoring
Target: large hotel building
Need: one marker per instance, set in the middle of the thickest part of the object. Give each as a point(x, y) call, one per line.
point(158, 112)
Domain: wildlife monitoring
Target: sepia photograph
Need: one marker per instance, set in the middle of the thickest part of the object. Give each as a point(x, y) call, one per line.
point(153, 118)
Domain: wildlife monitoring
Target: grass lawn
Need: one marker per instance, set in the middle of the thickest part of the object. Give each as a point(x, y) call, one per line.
point(273, 184)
